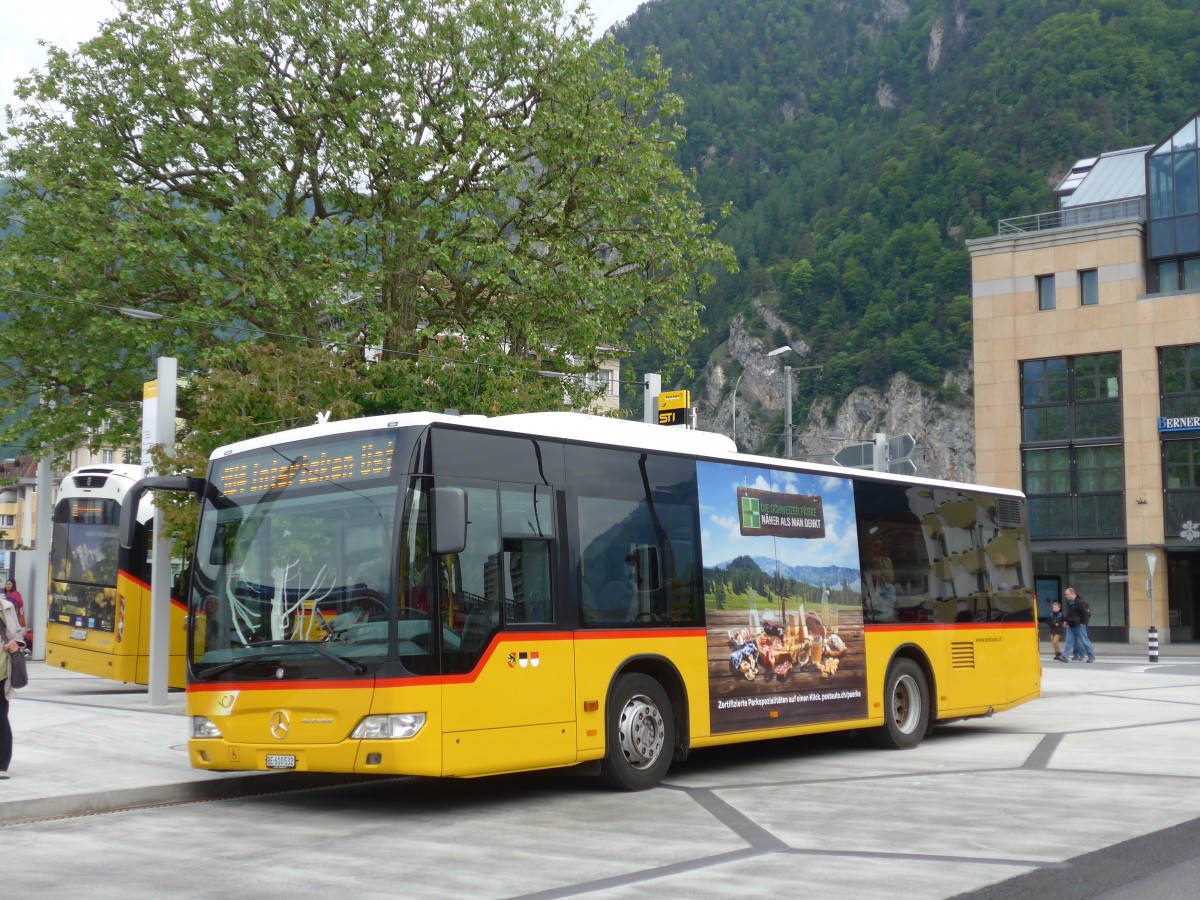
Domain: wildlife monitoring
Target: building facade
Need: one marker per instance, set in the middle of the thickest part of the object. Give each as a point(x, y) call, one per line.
point(1087, 385)
point(18, 503)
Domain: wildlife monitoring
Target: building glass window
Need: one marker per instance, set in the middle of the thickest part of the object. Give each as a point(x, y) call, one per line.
point(1180, 374)
point(1168, 276)
point(1045, 286)
point(1191, 274)
point(1075, 485)
point(1174, 190)
point(1181, 481)
point(1100, 578)
point(1185, 183)
point(1161, 186)
point(1089, 288)
point(1097, 396)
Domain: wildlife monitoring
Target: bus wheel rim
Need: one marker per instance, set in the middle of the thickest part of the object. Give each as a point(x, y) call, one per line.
point(906, 704)
point(641, 732)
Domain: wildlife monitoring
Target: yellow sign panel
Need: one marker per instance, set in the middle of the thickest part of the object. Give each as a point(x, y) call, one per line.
point(673, 407)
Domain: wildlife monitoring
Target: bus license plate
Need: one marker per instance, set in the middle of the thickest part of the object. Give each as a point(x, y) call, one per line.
point(78, 634)
point(281, 761)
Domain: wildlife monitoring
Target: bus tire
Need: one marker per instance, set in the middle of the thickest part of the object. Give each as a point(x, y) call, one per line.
point(905, 707)
point(639, 734)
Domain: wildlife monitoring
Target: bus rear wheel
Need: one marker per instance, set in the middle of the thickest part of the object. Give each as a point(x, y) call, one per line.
point(639, 734)
point(905, 707)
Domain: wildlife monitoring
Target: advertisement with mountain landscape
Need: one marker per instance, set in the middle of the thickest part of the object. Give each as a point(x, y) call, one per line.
point(783, 597)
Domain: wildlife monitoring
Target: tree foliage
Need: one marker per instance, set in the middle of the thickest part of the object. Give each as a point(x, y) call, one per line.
point(386, 171)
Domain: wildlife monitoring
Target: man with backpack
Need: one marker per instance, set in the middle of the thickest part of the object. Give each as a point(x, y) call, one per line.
point(1078, 614)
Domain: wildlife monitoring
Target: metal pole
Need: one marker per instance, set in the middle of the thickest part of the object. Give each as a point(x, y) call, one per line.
point(1151, 561)
point(160, 570)
point(787, 411)
point(653, 387)
point(38, 588)
point(733, 428)
point(879, 462)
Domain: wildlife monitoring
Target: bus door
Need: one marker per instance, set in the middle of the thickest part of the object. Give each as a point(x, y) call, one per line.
point(508, 697)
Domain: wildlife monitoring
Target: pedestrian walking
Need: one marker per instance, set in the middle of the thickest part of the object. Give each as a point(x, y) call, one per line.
point(1077, 614)
point(13, 642)
point(1058, 629)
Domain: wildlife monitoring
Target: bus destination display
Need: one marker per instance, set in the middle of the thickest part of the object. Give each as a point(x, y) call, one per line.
point(360, 458)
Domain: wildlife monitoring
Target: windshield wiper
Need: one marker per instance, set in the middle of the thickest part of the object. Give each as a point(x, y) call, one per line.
point(348, 663)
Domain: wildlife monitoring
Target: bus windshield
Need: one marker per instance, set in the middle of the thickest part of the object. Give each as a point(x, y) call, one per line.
point(83, 562)
point(293, 563)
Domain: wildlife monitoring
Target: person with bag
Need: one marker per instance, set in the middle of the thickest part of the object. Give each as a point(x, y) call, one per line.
point(1078, 615)
point(11, 634)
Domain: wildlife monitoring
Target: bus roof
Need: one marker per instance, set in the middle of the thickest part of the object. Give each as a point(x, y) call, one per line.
point(565, 425)
point(95, 478)
point(588, 429)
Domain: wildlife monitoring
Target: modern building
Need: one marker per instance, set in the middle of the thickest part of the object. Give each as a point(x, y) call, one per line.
point(1087, 385)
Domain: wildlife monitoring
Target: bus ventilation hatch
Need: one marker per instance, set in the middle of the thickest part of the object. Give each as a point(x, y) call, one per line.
point(1008, 512)
point(962, 655)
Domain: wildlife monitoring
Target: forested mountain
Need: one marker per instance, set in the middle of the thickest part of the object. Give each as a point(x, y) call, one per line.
point(861, 142)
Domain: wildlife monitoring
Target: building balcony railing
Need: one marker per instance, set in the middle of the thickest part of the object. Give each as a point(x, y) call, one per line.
point(1076, 216)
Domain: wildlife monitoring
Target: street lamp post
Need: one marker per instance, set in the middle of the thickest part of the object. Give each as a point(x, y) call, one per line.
point(787, 409)
point(778, 351)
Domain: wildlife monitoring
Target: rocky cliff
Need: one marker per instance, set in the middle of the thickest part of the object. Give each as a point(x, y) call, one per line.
point(942, 425)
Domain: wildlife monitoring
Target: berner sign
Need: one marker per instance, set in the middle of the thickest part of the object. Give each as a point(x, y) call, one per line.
point(1178, 423)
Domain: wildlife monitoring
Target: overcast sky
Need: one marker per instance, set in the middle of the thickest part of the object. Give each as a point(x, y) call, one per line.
point(65, 23)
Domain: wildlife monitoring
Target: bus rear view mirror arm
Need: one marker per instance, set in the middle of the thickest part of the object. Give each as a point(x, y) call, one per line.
point(129, 506)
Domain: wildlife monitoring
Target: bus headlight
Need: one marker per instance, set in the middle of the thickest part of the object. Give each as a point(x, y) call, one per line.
point(203, 727)
point(394, 727)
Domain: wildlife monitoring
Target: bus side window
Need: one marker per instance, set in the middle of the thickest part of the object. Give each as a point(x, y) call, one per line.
point(527, 589)
point(474, 594)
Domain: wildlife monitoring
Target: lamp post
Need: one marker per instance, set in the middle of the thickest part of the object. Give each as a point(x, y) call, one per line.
point(787, 409)
point(778, 351)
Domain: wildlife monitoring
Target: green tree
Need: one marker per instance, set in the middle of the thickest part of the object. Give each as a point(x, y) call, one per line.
point(388, 169)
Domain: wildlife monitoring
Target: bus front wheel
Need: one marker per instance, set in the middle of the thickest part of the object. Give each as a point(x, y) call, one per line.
point(639, 734)
point(906, 707)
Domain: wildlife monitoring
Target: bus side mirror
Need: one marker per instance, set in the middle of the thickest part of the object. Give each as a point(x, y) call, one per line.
point(129, 505)
point(448, 515)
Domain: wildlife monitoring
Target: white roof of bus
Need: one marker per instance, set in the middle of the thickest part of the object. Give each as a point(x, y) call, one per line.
point(579, 427)
point(118, 478)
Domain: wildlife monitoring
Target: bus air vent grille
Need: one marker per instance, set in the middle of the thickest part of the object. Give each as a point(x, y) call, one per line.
point(90, 481)
point(962, 655)
point(1008, 512)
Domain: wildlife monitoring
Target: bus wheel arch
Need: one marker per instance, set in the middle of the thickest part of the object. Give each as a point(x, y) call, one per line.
point(909, 701)
point(644, 710)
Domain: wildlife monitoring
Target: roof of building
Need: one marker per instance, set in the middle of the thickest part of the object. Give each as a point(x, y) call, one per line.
point(1117, 175)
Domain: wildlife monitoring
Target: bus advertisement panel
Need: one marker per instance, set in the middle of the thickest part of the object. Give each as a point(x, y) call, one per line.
point(782, 599)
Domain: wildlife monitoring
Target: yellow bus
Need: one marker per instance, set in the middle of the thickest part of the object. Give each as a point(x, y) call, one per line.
point(99, 602)
point(459, 596)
